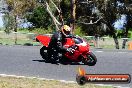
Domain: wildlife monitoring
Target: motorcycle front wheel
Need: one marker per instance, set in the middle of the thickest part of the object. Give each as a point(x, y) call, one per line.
point(90, 60)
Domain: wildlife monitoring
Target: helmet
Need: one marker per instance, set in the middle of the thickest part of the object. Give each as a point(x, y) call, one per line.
point(66, 30)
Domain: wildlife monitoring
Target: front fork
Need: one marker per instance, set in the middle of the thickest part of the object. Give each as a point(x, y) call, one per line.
point(84, 55)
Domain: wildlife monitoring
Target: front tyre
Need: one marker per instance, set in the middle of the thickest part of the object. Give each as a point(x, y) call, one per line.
point(91, 59)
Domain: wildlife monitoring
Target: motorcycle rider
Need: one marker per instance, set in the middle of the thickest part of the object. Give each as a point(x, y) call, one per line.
point(57, 40)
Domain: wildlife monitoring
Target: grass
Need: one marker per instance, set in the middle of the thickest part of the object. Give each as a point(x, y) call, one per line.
point(12, 82)
point(23, 37)
point(7, 41)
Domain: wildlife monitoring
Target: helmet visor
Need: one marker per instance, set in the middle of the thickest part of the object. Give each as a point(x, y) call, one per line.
point(66, 32)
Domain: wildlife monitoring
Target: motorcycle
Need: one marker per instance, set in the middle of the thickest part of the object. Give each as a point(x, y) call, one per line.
point(80, 50)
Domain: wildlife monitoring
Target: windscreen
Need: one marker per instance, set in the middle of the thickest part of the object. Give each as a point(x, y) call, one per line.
point(78, 40)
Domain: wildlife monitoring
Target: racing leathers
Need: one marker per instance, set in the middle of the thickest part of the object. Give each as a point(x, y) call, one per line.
point(56, 44)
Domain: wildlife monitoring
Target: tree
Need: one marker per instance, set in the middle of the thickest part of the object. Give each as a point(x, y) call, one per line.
point(127, 10)
point(48, 4)
point(94, 13)
point(7, 21)
point(65, 6)
point(66, 11)
point(39, 18)
point(73, 13)
point(97, 12)
point(17, 9)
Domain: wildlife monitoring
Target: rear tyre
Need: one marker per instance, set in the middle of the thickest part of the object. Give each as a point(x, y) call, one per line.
point(44, 53)
point(90, 60)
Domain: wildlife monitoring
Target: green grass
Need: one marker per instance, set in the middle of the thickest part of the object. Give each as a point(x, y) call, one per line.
point(12, 82)
point(78, 31)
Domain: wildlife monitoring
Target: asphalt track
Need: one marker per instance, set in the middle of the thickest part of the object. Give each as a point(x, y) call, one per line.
point(26, 61)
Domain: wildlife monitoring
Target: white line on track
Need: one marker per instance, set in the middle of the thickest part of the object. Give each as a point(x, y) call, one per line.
point(99, 51)
point(122, 52)
point(104, 51)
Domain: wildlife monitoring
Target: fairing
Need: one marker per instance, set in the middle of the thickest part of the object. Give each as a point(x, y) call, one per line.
point(83, 48)
point(43, 39)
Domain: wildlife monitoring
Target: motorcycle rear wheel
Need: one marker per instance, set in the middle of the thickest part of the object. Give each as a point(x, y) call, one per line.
point(90, 60)
point(44, 53)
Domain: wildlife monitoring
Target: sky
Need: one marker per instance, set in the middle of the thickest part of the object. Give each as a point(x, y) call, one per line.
point(120, 23)
point(24, 25)
point(1, 22)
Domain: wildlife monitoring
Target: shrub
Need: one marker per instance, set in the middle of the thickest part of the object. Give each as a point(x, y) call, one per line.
point(78, 31)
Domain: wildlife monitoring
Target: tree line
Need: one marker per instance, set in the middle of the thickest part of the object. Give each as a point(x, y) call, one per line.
point(95, 17)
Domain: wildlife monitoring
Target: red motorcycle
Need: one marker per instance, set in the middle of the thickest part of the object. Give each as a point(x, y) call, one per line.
point(80, 47)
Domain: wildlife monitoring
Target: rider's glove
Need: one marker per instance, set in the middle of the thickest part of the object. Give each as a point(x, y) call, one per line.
point(59, 43)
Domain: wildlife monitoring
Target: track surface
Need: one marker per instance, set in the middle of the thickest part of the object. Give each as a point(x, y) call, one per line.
point(26, 61)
